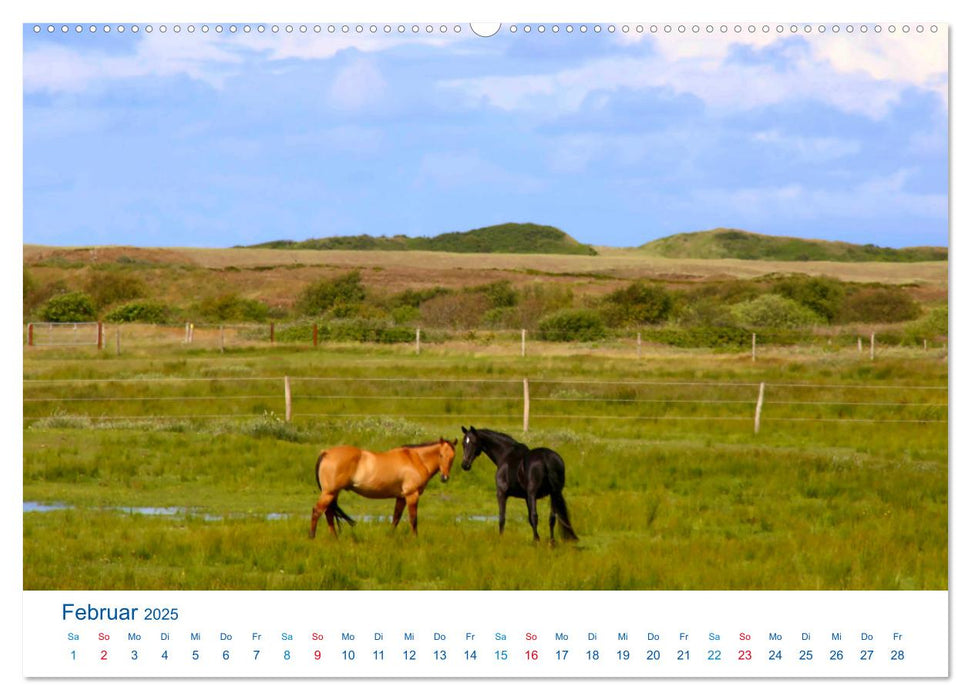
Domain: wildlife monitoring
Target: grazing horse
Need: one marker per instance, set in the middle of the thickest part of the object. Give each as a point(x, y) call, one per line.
point(523, 473)
point(401, 474)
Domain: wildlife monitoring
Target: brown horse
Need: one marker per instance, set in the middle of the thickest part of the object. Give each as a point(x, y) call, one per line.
point(401, 474)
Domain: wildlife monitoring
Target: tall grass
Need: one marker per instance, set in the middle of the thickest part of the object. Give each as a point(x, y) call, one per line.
point(700, 502)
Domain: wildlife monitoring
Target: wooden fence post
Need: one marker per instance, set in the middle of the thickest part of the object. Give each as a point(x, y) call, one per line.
point(753, 347)
point(859, 344)
point(925, 344)
point(30, 334)
point(524, 343)
point(192, 328)
point(286, 398)
point(525, 405)
point(758, 407)
point(272, 333)
point(873, 345)
point(418, 341)
point(102, 342)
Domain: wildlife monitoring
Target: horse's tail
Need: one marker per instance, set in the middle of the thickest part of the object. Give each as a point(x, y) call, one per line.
point(562, 515)
point(557, 479)
point(339, 515)
point(317, 468)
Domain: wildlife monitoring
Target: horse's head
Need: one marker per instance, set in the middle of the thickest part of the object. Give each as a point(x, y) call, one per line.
point(446, 455)
point(470, 447)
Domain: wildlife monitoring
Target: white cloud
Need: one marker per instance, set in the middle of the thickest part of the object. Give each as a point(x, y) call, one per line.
point(855, 74)
point(209, 57)
point(789, 202)
point(912, 58)
point(313, 45)
point(53, 68)
point(809, 149)
point(357, 85)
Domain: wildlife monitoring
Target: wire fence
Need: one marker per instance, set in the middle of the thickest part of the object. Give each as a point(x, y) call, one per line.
point(540, 401)
point(124, 337)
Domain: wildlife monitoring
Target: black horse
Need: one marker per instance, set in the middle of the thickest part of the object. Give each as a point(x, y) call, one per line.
point(522, 473)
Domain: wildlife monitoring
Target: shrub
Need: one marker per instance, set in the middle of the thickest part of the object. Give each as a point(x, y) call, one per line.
point(499, 294)
point(347, 330)
point(414, 297)
point(822, 295)
point(933, 325)
point(879, 305)
point(637, 304)
point(722, 337)
point(699, 337)
point(142, 311)
point(30, 284)
point(109, 287)
point(319, 297)
point(572, 324)
point(403, 315)
point(366, 331)
point(232, 307)
point(456, 311)
point(70, 307)
point(774, 311)
point(706, 313)
point(537, 301)
point(727, 292)
point(498, 317)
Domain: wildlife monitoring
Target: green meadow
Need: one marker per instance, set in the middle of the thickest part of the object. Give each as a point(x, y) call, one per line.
point(175, 469)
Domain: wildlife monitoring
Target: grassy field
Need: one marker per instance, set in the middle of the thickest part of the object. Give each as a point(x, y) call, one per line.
point(844, 487)
point(275, 275)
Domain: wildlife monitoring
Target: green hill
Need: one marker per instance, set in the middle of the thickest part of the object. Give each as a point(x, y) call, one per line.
point(504, 238)
point(743, 245)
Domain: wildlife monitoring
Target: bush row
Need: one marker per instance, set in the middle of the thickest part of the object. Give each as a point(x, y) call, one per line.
point(715, 314)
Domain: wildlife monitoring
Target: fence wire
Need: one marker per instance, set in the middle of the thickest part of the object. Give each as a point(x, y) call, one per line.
point(44, 398)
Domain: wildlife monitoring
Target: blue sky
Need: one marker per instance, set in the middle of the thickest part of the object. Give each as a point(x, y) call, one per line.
point(226, 139)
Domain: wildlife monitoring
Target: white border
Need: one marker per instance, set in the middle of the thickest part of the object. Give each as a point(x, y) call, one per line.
point(496, 10)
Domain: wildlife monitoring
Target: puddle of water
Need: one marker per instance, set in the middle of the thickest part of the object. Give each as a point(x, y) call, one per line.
point(170, 512)
point(37, 507)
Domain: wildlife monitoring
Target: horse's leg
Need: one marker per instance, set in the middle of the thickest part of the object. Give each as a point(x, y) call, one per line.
point(533, 514)
point(552, 521)
point(412, 501)
point(323, 505)
point(399, 507)
point(501, 496)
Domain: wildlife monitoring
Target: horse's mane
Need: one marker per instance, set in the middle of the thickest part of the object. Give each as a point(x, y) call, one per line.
point(498, 437)
point(425, 444)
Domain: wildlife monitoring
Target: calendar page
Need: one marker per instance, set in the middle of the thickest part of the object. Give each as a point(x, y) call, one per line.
point(417, 348)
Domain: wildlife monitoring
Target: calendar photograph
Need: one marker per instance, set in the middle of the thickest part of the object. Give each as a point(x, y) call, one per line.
point(485, 307)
